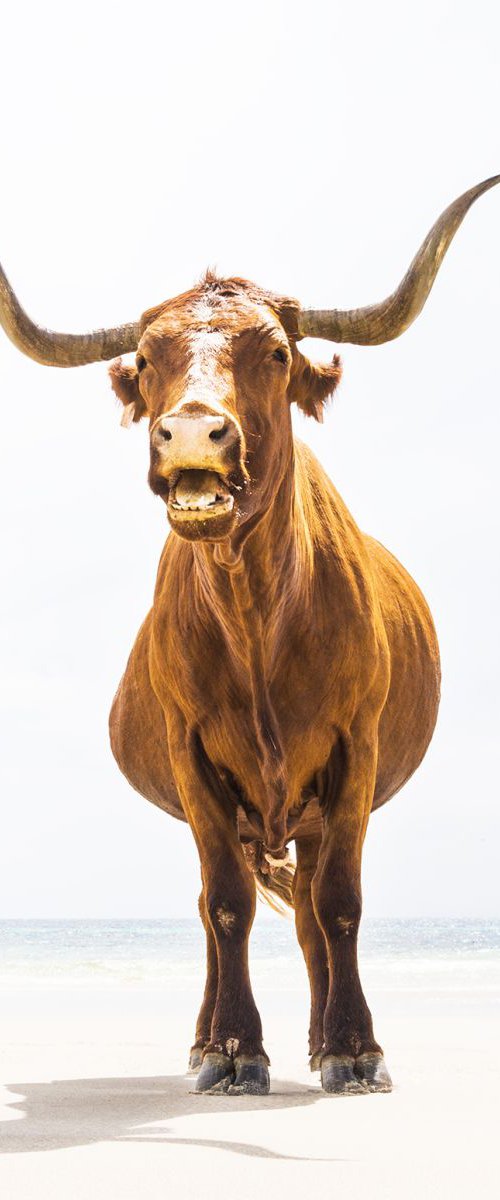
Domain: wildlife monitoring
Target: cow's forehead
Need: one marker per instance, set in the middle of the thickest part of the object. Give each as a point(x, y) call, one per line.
point(224, 316)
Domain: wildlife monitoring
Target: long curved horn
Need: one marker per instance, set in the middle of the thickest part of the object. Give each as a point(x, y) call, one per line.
point(382, 322)
point(61, 349)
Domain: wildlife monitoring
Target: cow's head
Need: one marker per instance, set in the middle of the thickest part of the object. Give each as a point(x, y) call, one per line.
point(216, 371)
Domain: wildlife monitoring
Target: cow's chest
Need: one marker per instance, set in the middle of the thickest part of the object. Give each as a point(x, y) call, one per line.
point(298, 700)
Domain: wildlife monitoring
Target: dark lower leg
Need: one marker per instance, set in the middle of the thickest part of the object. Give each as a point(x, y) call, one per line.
point(311, 941)
point(236, 1026)
point(352, 1060)
point(347, 1027)
point(234, 1060)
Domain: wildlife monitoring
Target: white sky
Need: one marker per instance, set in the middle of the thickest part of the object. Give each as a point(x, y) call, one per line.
point(310, 148)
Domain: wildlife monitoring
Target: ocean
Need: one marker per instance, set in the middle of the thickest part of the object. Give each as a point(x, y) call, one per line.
point(433, 956)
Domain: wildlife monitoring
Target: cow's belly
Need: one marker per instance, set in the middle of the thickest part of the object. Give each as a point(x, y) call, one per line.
point(138, 733)
point(409, 715)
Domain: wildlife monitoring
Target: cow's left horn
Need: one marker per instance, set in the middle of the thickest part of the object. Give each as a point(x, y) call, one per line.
point(61, 349)
point(382, 322)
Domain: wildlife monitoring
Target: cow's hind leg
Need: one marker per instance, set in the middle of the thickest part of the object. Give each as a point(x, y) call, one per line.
point(204, 1022)
point(352, 1059)
point(312, 942)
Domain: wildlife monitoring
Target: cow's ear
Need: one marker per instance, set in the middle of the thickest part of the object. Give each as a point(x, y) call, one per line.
point(125, 384)
point(312, 384)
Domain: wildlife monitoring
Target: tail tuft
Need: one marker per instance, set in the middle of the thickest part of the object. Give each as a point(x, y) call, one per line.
point(274, 884)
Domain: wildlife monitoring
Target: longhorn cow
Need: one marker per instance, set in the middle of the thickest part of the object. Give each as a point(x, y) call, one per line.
point(286, 681)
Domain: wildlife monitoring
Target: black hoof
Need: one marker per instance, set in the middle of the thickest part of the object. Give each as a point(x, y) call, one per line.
point(370, 1068)
point(338, 1078)
point(315, 1061)
point(217, 1073)
point(195, 1059)
point(251, 1079)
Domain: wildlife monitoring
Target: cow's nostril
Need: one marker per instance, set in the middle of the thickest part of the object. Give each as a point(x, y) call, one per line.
point(166, 434)
point(217, 434)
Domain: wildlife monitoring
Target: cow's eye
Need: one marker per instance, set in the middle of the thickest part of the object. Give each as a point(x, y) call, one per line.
point(281, 356)
point(140, 362)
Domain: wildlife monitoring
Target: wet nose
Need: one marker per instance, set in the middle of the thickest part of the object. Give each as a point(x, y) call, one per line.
point(195, 438)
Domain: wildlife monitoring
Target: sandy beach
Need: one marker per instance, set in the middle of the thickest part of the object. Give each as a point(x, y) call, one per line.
point(95, 1101)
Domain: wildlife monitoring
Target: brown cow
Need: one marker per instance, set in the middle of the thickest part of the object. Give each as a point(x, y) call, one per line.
point(286, 680)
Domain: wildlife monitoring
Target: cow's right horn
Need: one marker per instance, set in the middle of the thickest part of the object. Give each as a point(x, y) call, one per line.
point(61, 349)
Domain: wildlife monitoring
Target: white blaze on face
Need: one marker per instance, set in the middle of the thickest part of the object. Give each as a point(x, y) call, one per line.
point(204, 382)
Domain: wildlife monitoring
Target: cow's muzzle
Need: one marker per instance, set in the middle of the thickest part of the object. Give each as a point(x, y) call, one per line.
point(197, 466)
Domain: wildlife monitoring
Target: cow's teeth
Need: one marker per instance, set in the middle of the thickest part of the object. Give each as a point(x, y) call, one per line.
point(197, 491)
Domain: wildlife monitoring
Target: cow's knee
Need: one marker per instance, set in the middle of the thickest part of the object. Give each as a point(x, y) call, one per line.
point(231, 910)
point(337, 906)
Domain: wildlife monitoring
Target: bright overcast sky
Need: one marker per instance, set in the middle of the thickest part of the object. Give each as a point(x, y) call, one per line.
point(307, 147)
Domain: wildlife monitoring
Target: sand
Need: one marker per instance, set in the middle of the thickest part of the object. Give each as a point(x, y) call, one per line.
point(95, 1103)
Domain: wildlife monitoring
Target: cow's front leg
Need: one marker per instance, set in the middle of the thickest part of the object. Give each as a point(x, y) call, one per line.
point(352, 1059)
point(234, 1061)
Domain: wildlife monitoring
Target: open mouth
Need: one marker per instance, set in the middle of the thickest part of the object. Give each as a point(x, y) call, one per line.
point(198, 495)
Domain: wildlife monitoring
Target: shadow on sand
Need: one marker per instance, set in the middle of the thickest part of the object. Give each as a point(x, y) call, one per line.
point(79, 1112)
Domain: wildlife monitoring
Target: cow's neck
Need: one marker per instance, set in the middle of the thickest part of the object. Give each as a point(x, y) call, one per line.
point(246, 579)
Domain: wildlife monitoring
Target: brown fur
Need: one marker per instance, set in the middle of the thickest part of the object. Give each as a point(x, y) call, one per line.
point(286, 680)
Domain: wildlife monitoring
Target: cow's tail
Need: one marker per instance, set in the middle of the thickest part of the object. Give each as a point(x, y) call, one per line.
point(274, 882)
point(276, 889)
